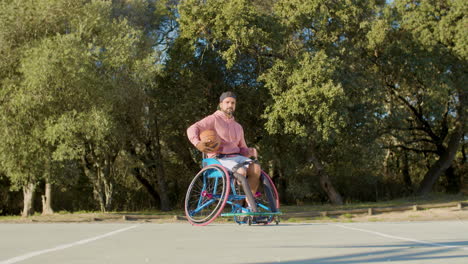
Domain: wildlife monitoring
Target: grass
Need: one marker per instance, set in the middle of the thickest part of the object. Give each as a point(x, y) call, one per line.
point(413, 216)
point(407, 201)
point(323, 218)
point(433, 198)
point(293, 220)
point(152, 212)
point(349, 216)
point(10, 217)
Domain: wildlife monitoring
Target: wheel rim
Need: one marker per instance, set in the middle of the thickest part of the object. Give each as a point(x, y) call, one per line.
point(263, 201)
point(207, 195)
point(274, 191)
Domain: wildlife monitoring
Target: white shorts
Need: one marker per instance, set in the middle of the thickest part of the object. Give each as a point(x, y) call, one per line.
point(230, 162)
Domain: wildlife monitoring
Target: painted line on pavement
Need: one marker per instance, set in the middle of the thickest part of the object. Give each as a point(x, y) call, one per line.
point(77, 243)
point(402, 238)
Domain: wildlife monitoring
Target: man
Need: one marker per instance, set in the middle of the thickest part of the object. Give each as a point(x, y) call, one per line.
point(233, 152)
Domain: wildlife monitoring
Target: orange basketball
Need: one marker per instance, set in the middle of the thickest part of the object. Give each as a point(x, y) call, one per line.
point(212, 137)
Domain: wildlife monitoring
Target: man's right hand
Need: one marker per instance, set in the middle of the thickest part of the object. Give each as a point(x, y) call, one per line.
point(205, 147)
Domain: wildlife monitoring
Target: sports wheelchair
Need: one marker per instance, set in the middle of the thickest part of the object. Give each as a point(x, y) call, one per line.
point(215, 191)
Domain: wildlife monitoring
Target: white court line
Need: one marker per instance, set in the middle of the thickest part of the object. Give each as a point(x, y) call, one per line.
point(80, 242)
point(402, 238)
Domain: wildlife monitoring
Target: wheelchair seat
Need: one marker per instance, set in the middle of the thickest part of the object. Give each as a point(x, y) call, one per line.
point(210, 161)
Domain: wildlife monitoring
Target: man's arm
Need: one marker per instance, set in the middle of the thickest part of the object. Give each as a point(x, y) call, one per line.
point(193, 133)
point(244, 150)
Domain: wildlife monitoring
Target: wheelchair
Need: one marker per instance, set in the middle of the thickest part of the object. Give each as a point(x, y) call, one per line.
point(215, 191)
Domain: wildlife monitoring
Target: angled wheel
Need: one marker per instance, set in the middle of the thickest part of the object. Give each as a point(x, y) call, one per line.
point(207, 195)
point(268, 200)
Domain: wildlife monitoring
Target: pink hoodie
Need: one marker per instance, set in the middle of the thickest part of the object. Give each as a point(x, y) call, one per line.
point(230, 132)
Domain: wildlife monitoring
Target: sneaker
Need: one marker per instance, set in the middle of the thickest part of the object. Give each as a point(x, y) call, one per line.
point(261, 219)
point(243, 220)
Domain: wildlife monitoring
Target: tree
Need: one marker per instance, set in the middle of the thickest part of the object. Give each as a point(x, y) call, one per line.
point(300, 49)
point(421, 54)
point(72, 86)
point(100, 72)
point(144, 115)
point(25, 155)
point(303, 99)
point(346, 100)
point(322, 88)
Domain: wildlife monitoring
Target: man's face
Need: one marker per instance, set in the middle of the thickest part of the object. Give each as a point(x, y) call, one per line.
point(228, 105)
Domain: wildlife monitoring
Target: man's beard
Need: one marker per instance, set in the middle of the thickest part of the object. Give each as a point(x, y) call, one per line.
point(228, 111)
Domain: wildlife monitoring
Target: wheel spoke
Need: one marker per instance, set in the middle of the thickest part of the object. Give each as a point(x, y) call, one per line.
point(206, 195)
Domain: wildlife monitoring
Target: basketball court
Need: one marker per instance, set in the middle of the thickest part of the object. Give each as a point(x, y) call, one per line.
point(398, 242)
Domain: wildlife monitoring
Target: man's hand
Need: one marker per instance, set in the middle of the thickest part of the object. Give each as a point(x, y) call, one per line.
point(206, 147)
point(253, 153)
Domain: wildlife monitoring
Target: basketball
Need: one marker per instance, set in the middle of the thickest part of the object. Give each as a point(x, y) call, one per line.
point(212, 137)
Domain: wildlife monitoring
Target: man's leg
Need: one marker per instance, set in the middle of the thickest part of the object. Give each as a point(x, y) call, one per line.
point(240, 176)
point(236, 165)
point(253, 173)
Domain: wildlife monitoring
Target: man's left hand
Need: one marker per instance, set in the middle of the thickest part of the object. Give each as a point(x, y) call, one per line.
point(253, 153)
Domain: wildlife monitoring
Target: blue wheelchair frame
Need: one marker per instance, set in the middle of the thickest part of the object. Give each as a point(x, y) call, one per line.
point(235, 199)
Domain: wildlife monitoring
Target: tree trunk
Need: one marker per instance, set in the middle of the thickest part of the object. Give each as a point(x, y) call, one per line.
point(405, 172)
point(162, 187)
point(152, 176)
point(93, 174)
point(463, 160)
point(386, 162)
point(137, 172)
point(100, 174)
point(108, 194)
point(325, 181)
point(104, 189)
point(160, 172)
point(47, 199)
point(276, 173)
point(453, 180)
point(29, 192)
point(107, 182)
point(444, 162)
point(98, 190)
point(140, 173)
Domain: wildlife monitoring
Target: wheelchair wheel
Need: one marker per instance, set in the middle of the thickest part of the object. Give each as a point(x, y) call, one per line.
point(268, 201)
point(273, 196)
point(207, 195)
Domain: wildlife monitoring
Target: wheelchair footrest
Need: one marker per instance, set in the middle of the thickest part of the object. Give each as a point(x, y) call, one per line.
point(252, 213)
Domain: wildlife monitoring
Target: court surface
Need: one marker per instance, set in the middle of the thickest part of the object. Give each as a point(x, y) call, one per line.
point(399, 242)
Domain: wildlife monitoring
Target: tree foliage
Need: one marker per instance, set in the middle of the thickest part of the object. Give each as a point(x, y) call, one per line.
point(346, 100)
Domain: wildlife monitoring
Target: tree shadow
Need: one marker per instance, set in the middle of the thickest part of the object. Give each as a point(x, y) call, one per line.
point(398, 252)
point(454, 244)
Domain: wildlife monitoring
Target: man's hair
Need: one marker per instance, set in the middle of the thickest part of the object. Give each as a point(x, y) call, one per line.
point(226, 95)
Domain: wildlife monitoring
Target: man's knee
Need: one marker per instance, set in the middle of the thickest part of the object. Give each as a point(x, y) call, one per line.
point(254, 170)
point(241, 171)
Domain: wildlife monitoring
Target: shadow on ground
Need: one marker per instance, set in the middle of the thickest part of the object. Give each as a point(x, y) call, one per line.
point(421, 253)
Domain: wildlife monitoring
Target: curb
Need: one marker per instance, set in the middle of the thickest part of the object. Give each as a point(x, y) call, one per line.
point(374, 210)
